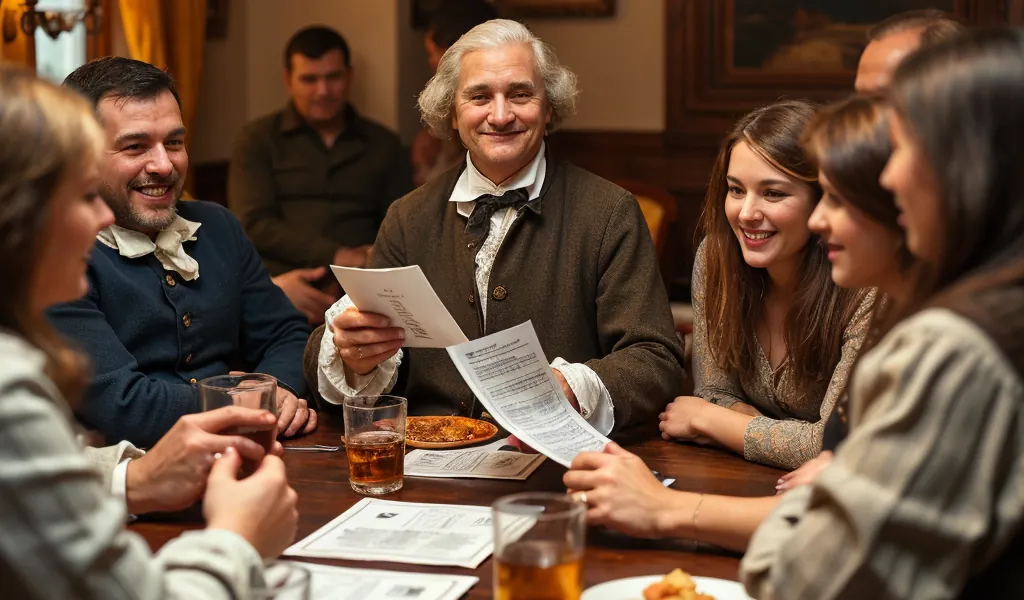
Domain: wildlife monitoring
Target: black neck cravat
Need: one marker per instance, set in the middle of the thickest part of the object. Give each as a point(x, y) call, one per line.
point(486, 205)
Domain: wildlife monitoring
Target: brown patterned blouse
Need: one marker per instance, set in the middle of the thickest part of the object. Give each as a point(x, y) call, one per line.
point(790, 431)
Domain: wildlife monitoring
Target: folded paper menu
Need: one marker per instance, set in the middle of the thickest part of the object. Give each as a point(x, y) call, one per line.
point(340, 583)
point(407, 532)
point(405, 296)
point(486, 462)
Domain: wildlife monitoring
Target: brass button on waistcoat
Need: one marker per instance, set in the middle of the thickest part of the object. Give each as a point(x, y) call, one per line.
point(499, 293)
point(170, 281)
point(187, 320)
point(471, 245)
point(472, 299)
point(193, 380)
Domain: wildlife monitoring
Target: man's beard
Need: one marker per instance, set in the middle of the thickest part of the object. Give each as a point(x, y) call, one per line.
point(130, 216)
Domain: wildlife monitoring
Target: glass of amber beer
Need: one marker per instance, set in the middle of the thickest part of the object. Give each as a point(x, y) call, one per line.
point(539, 538)
point(251, 390)
point(375, 443)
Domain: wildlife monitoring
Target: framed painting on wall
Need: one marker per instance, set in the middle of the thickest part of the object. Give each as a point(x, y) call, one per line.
point(809, 37)
point(726, 57)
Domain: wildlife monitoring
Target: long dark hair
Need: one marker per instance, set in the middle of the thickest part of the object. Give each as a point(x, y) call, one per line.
point(961, 103)
point(849, 141)
point(816, 322)
point(48, 134)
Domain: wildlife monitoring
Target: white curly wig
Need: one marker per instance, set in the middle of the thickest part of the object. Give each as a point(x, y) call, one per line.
point(437, 100)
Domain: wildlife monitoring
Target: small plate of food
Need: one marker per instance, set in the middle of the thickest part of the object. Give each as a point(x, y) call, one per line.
point(677, 585)
point(447, 432)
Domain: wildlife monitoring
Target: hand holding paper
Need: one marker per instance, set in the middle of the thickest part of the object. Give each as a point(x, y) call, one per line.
point(405, 297)
point(508, 372)
point(365, 339)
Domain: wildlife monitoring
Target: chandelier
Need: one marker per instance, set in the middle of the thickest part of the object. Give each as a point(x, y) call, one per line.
point(53, 22)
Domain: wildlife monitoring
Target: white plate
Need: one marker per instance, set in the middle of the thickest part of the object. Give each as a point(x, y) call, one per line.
point(632, 588)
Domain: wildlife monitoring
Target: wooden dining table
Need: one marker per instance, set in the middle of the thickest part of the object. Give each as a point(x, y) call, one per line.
point(321, 480)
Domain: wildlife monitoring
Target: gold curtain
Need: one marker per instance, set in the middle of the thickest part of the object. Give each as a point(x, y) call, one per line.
point(169, 34)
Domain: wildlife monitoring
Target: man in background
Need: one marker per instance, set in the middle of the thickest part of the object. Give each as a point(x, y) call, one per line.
point(312, 182)
point(891, 40)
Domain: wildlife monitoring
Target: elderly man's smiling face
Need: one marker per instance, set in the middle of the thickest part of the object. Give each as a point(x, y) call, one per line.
point(501, 110)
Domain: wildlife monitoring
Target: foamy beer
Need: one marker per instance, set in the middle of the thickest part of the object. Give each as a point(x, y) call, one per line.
point(539, 538)
point(251, 390)
point(375, 443)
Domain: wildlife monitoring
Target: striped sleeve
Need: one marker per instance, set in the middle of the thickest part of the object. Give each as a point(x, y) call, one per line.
point(63, 532)
point(926, 490)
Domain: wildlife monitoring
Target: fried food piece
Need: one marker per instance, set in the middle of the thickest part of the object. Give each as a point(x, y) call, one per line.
point(677, 585)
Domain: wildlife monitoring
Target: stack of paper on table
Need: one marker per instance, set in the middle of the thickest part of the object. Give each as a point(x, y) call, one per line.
point(485, 462)
point(340, 583)
point(407, 532)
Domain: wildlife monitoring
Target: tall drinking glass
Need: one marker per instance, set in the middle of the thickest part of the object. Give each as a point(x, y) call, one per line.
point(539, 539)
point(251, 390)
point(375, 443)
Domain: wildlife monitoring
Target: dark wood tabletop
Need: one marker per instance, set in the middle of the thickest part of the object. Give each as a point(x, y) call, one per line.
point(321, 480)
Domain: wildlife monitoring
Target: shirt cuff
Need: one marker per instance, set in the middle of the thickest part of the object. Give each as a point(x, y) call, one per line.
point(332, 381)
point(594, 398)
point(119, 480)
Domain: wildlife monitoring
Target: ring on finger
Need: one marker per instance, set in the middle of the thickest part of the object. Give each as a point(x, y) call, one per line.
point(580, 497)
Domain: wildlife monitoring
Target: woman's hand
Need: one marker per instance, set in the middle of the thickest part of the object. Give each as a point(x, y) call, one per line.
point(620, 492)
point(804, 475)
point(677, 421)
point(261, 508)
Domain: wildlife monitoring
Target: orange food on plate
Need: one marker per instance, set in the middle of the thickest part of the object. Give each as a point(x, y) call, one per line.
point(677, 585)
point(441, 430)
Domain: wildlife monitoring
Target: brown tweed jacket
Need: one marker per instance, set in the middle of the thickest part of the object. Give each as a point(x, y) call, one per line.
point(578, 262)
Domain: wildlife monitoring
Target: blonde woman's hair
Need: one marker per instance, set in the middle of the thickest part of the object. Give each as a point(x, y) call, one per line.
point(437, 99)
point(46, 135)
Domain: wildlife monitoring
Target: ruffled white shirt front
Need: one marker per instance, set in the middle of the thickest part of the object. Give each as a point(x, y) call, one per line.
point(167, 247)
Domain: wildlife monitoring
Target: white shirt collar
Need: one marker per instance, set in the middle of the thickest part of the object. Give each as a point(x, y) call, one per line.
point(472, 184)
point(167, 248)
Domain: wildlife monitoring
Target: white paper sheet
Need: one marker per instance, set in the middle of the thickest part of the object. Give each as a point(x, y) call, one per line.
point(406, 532)
point(405, 296)
point(485, 462)
point(340, 583)
point(508, 372)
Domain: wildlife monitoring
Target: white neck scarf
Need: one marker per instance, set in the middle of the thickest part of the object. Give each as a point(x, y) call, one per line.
point(167, 248)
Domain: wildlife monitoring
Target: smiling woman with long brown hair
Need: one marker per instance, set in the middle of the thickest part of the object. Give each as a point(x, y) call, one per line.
point(773, 336)
point(849, 142)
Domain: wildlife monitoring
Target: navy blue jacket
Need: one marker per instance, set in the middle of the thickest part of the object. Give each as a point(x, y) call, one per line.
point(151, 335)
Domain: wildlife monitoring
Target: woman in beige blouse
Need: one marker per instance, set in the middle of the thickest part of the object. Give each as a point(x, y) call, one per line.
point(773, 336)
point(857, 218)
point(925, 497)
point(63, 532)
